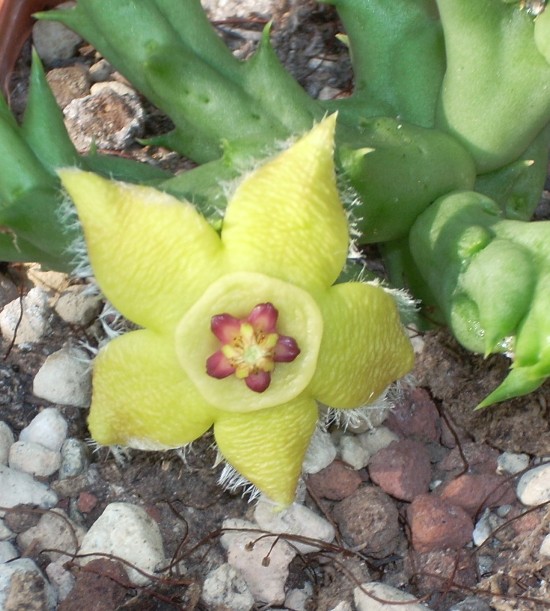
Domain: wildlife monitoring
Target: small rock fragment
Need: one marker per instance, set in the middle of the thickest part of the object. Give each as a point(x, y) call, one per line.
point(382, 591)
point(5, 532)
point(65, 378)
point(545, 546)
point(377, 439)
point(225, 589)
point(475, 492)
point(34, 458)
point(61, 578)
point(480, 458)
point(23, 586)
point(295, 520)
point(26, 318)
point(415, 416)
point(54, 531)
point(534, 486)
point(100, 71)
point(402, 469)
point(126, 531)
point(437, 524)
point(74, 458)
point(107, 118)
point(264, 566)
point(68, 83)
point(369, 520)
point(320, 454)
point(335, 482)
point(48, 428)
point(20, 488)
point(100, 580)
point(6, 441)
point(472, 603)
point(353, 452)
point(77, 306)
point(436, 571)
point(8, 551)
point(509, 462)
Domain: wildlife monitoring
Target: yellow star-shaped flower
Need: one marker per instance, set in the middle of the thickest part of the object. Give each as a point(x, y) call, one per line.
point(244, 331)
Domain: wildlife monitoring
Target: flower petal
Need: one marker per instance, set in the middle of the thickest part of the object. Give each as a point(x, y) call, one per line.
point(225, 327)
point(258, 382)
point(286, 220)
point(364, 346)
point(268, 446)
point(152, 255)
point(286, 349)
point(142, 398)
point(218, 366)
point(264, 317)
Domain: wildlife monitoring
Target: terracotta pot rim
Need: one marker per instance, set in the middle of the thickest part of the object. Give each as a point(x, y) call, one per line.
point(15, 28)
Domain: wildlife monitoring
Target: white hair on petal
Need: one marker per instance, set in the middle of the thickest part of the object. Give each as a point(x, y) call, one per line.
point(232, 481)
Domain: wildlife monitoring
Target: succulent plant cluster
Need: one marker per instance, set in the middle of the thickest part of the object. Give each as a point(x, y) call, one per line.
point(443, 142)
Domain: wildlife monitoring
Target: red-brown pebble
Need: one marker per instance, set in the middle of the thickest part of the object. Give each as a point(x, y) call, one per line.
point(86, 502)
point(475, 492)
point(335, 482)
point(436, 571)
point(402, 469)
point(97, 588)
point(415, 416)
point(480, 458)
point(368, 520)
point(436, 524)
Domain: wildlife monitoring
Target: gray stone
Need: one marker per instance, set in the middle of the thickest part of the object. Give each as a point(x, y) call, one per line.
point(545, 547)
point(225, 589)
point(364, 602)
point(54, 41)
point(320, 454)
point(509, 462)
point(65, 378)
point(34, 458)
point(8, 552)
point(377, 439)
point(353, 452)
point(472, 603)
point(128, 532)
point(18, 488)
point(77, 306)
point(74, 458)
point(48, 428)
point(68, 83)
point(28, 319)
point(295, 520)
point(5, 532)
point(6, 441)
point(23, 586)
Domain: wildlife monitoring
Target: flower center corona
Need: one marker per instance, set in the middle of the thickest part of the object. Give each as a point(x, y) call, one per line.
point(250, 347)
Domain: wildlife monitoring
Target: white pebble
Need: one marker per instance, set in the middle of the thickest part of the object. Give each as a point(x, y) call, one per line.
point(377, 439)
point(353, 452)
point(295, 520)
point(34, 458)
point(364, 602)
point(485, 526)
point(246, 552)
point(298, 598)
point(127, 531)
point(225, 588)
point(320, 454)
point(343, 606)
point(545, 546)
point(30, 325)
point(20, 488)
point(8, 552)
point(534, 486)
point(77, 306)
point(65, 378)
point(53, 40)
point(48, 428)
point(6, 440)
point(23, 586)
point(61, 578)
point(56, 531)
point(509, 462)
point(5, 532)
